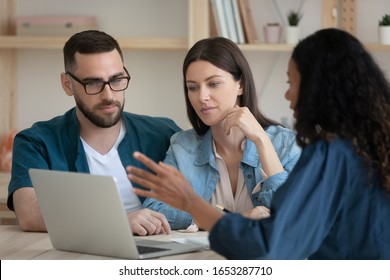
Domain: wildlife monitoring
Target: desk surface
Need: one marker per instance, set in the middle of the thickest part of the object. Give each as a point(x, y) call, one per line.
point(18, 245)
point(6, 216)
point(4, 180)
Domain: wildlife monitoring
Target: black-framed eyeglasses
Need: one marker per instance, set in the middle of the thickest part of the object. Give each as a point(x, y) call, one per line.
point(97, 86)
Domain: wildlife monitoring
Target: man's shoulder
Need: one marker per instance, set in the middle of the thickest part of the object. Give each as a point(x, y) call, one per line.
point(52, 125)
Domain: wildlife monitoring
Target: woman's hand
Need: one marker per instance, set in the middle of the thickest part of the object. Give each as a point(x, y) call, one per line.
point(167, 184)
point(242, 118)
point(257, 213)
point(170, 186)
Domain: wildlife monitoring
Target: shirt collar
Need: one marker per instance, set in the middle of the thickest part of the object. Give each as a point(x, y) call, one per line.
point(206, 152)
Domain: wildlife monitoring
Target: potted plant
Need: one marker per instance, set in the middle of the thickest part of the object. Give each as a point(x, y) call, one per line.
point(384, 30)
point(292, 30)
point(294, 17)
point(272, 32)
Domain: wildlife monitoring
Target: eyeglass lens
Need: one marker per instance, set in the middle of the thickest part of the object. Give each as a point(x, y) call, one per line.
point(117, 84)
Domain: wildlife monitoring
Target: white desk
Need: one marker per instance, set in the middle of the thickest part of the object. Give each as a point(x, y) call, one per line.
point(18, 245)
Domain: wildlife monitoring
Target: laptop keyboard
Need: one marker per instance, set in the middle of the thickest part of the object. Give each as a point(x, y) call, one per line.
point(148, 249)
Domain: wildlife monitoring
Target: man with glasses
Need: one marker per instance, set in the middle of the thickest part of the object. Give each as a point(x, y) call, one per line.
point(95, 136)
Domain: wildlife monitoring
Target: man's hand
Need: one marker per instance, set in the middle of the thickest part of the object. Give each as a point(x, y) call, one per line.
point(148, 222)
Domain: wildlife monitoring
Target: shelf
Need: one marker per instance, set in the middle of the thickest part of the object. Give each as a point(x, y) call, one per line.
point(50, 42)
point(288, 48)
point(377, 47)
point(36, 42)
point(266, 47)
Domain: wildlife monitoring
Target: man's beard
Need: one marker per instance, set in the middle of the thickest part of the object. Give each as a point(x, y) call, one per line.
point(100, 121)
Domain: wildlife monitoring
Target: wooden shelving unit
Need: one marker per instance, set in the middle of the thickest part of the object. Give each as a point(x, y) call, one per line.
point(198, 28)
point(50, 42)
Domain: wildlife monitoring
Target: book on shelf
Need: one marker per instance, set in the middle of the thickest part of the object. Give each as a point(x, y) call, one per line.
point(230, 21)
point(233, 19)
point(215, 29)
point(238, 22)
point(223, 20)
point(248, 23)
point(218, 12)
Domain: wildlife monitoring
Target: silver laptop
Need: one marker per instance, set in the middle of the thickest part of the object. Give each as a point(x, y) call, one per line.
point(84, 213)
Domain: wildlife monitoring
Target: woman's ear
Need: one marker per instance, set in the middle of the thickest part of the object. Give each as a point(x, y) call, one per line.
point(240, 89)
point(66, 84)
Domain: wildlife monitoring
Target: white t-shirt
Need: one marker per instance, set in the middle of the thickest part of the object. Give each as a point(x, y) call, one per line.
point(111, 165)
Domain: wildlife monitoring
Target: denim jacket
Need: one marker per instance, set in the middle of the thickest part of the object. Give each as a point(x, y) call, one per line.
point(193, 155)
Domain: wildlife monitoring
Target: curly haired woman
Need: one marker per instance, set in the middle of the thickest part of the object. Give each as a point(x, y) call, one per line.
point(335, 203)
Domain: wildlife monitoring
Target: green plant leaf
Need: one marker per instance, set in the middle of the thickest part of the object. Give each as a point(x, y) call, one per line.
point(294, 17)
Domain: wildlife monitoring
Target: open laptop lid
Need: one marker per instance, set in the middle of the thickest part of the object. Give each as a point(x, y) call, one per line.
point(84, 213)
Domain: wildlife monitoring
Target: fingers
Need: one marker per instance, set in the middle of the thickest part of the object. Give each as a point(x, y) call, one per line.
point(144, 193)
point(234, 117)
point(148, 222)
point(169, 169)
point(160, 222)
point(228, 111)
point(144, 177)
point(141, 177)
point(147, 179)
point(166, 228)
point(147, 162)
point(169, 185)
point(263, 212)
point(258, 213)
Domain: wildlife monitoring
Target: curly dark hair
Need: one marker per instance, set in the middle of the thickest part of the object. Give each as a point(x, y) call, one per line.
point(343, 92)
point(226, 55)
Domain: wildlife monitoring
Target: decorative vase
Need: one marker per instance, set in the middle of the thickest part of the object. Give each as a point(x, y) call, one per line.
point(292, 35)
point(272, 33)
point(384, 35)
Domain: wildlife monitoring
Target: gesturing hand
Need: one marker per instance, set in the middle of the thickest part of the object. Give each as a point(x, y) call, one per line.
point(166, 183)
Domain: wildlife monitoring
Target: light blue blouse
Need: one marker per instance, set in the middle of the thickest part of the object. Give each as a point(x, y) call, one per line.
point(193, 155)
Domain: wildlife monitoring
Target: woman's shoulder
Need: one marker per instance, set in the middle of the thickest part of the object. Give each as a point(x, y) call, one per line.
point(280, 135)
point(339, 146)
point(188, 136)
point(187, 140)
point(278, 130)
point(337, 149)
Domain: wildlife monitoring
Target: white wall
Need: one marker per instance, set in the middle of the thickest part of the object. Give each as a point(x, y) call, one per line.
point(156, 85)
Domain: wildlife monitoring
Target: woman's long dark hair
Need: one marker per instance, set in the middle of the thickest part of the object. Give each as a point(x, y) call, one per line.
point(343, 92)
point(226, 55)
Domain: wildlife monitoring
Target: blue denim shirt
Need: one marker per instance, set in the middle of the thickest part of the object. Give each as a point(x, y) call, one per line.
point(193, 155)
